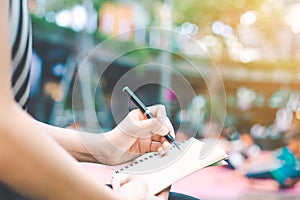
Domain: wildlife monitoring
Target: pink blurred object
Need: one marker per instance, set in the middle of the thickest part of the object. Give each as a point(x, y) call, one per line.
point(212, 183)
point(169, 95)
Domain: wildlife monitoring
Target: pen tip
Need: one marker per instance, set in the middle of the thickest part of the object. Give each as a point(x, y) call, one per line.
point(176, 145)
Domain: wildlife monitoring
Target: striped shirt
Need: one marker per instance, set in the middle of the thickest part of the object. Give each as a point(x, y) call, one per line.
point(21, 43)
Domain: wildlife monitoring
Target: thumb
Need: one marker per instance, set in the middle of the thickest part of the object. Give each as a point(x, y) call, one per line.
point(118, 180)
point(115, 183)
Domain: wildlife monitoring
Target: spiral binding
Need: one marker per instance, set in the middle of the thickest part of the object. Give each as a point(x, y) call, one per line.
point(151, 156)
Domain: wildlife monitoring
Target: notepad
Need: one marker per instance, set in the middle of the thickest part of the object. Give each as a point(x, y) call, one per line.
point(159, 172)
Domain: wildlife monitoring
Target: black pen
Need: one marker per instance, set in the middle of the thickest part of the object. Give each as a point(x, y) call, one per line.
point(147, 113)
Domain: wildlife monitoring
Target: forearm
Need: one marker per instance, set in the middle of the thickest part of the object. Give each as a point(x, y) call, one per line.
point(125, 142)
point(35, 165)
point(77, 143)
point(91, 147)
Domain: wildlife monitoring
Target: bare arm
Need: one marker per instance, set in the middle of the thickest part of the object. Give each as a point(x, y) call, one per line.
point(35, 165)
point(32, 162)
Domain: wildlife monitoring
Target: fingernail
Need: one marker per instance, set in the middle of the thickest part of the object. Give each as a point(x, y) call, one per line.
point(161, 151)
point(166, 145)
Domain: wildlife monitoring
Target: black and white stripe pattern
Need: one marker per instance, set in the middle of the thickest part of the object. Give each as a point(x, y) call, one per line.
point(21, 42)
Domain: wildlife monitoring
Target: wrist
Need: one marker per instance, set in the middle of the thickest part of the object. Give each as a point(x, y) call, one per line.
point(119, 146)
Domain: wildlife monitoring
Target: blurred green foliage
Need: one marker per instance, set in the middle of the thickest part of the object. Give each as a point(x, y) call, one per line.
point(56, 5)
point(204, 12)
point(270, 15)
point(200, 12)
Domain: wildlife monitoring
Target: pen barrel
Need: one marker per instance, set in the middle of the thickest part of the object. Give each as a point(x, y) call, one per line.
point(148, 114)
point(139, 104)
point(169, 138)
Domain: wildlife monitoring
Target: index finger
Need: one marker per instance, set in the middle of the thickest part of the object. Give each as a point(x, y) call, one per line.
point(159, 111)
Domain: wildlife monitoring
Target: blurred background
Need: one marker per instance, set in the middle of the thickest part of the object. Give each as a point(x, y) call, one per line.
point(254, 44)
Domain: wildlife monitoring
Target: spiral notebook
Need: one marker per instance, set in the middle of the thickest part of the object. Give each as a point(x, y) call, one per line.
point(159, 172)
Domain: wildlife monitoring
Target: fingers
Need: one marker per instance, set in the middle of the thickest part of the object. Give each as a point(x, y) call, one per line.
point(158, 128)
point(159, 111)
point(134, 187)
point(160, 148)
point(164, 148)
point(118, 180)
point(160, 124)
point(125, 179)
point(115, 183)
point(138, 125)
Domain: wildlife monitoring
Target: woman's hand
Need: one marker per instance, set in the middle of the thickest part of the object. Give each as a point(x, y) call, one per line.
point(136, 135)
point(134, 187)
